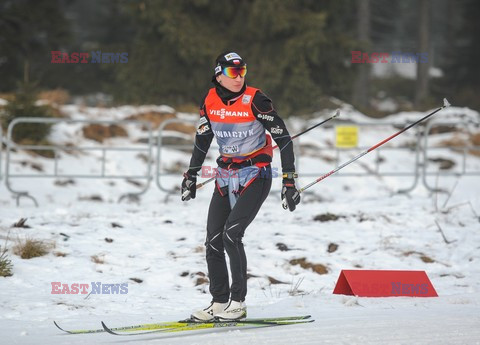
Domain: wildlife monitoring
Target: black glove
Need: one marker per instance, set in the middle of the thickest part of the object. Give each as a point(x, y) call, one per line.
point(189, 186)
point(290, 194)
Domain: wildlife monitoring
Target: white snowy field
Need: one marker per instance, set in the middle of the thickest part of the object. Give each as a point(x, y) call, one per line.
point(155, 246)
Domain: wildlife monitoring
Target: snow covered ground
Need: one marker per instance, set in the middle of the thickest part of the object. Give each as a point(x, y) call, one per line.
point(155, 245)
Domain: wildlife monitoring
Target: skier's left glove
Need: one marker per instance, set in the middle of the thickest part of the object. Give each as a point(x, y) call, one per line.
point(290, 194)
point(189, 186)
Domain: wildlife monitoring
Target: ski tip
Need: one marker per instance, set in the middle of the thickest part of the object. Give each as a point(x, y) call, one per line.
point(56, 324)
point(108, 330)
point(446, 103)
point(337, 113)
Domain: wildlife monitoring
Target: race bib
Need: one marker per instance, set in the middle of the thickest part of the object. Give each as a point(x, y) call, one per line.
point(230, 149)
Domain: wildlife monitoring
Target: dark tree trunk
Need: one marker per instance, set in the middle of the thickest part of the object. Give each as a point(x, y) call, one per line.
point(362, 82)
point(422, 85)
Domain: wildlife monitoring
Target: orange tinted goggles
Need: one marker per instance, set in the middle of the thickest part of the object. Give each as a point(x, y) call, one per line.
point(233, 72)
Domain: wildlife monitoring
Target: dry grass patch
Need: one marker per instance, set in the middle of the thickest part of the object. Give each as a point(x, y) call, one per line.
point(274, 281)
point(98, 259)
point(94, 197)
point(57, 96)
point(100, 132)
point(443, 163)
point(180, 127)
point(35, 152)
point(7, 96)
point(475, 140)
point(64, 183)
point(154, 117)
point(454, 141)
point(327, 217)
point(425, 258)
point(199, 249)
point(457, 143)
point(332, 247)
point(31, 248)
point(157, 118)
point(317, 268)
point(34, 166)
point(175, 167)
point(201, 278)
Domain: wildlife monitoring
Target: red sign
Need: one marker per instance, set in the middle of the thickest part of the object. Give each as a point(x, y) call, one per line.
point(379, 283)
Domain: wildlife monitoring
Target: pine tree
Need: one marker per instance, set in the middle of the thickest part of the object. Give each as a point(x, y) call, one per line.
point(24, 106)
point(29, 30)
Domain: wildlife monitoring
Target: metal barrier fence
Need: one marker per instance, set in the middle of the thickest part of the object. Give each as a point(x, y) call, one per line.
point(460, 147)
point(58, 148)
point(417, 156)
point(416, 166)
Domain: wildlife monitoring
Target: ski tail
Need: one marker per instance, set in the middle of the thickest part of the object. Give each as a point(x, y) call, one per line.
point(141, 327)
point(78, 331)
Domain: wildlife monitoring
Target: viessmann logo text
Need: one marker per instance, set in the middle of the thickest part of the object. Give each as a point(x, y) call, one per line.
point(223, 112)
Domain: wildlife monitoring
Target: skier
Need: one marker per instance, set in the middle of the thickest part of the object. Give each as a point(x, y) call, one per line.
point(237, 115)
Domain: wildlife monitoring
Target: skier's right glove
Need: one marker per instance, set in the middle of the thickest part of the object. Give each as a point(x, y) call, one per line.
point(189, 186)
point(290, 194)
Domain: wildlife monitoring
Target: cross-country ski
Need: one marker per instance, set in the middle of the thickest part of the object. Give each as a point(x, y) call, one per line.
point(169, 325)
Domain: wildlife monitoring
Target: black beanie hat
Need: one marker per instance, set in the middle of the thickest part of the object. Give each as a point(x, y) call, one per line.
point(228, 59)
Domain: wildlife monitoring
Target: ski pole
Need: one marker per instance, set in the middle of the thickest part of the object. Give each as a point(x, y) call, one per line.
point(337, 113)
point(301, 190)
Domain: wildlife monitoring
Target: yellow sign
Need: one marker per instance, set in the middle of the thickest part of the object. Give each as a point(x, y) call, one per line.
point(346, 136)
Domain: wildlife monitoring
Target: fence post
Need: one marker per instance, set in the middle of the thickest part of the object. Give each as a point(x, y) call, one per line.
point(417, 165)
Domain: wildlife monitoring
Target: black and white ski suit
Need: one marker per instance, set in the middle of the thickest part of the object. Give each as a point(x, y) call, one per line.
point(238, 122)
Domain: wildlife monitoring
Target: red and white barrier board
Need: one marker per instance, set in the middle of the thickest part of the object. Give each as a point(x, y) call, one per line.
point(384, 283)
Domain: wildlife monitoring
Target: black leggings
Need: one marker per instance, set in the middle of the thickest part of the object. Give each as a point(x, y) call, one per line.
point(225, 230)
